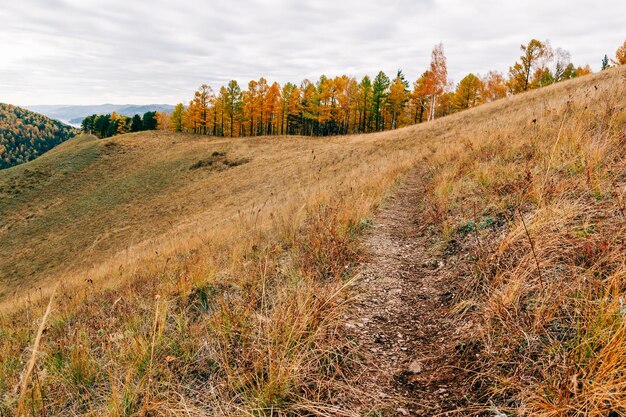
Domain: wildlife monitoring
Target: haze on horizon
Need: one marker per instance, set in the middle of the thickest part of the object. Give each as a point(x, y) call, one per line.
point(90, 52)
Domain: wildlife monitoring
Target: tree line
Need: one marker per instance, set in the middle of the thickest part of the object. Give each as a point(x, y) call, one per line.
point(25, 135)
point(344, 105)
point(107, 125)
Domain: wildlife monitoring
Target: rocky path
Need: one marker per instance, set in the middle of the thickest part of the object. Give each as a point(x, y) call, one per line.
point(410, 347)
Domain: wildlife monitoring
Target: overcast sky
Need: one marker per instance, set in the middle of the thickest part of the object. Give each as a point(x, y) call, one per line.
point(159, 51)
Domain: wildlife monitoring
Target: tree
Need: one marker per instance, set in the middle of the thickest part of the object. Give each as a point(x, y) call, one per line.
point(136, 124)
point(379, 93)
point(149, 121)
point(468, 92)
point(580, 71)
point(365, 92)
point(285, 99)
point(605, 62)
point(262, 89)
point(221, 108)
point(438, 77)
point(420, 96)
point(620, 55)
point(520, 73)
point(163, 121)
point(202, 100)
point(272, 107)
point(562, 60)
point(250, 107)
point(294, 111)
point(176, 118)
point(398, 97)
point(233, 103)
point(308, 108)
point(494, 86)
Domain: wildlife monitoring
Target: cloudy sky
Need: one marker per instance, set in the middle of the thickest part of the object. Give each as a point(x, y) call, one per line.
point(159, 51)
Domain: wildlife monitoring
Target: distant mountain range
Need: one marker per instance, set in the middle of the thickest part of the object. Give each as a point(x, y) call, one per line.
point(74, 114)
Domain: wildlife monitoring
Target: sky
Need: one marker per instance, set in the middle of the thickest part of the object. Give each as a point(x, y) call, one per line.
point(160, 51)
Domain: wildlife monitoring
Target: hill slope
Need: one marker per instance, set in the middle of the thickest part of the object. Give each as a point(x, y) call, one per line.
point(25, 135)
point(211, 275)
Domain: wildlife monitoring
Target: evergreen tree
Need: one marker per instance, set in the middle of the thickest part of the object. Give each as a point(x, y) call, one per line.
point(605, 62)
point(137, 124)
point(149, 121)
point(233, 103)
point(379, 93)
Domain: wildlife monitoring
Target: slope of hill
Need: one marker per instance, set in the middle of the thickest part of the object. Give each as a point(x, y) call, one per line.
point(74, 114)
point(204, 276)
point(25, 135)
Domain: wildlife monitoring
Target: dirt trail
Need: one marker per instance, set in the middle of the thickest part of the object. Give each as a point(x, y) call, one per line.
point(411, 349)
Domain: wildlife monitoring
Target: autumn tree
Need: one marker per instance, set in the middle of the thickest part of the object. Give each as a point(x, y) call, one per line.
point(190, 117)
point(250, 107)
point(398, 97)
point(494, 86)
point(202, 99)
point(163, 121)
point(586, 70)
point(221, 105)
point(520, 74)
point(261, 97)
point(272, 106)
point(620, 55)
point(176, 118)
point(438, 77)
point(469, 92)
point(348, 102)
point(420, 97)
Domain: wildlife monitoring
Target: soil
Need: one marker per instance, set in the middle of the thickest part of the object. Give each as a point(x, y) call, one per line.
point(412, 351)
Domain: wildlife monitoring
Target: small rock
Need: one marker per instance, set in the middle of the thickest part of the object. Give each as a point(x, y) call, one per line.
point(416, 367)
point(402, 411)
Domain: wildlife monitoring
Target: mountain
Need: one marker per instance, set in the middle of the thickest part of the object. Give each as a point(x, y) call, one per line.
point(25, 135)
point(74, 114)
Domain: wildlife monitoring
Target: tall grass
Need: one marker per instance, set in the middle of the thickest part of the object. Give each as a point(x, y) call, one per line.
point(548, 248)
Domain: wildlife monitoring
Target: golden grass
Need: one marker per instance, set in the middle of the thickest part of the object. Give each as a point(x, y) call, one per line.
point(220, 291)
point(549, 244)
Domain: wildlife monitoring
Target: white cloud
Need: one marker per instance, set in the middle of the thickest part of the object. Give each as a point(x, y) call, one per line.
point(88, 51)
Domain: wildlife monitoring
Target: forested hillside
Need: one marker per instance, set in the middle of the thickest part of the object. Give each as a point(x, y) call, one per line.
point(25, 135)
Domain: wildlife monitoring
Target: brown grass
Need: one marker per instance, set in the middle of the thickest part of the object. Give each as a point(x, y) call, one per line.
point(548, 183)
point(220, 292)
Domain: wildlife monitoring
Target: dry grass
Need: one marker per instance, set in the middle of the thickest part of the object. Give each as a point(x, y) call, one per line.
point(537, 199)
point(220, 291)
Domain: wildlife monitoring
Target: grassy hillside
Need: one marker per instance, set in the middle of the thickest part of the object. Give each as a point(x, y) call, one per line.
point(92, 200)
point(25, 135)
point(208, 276)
